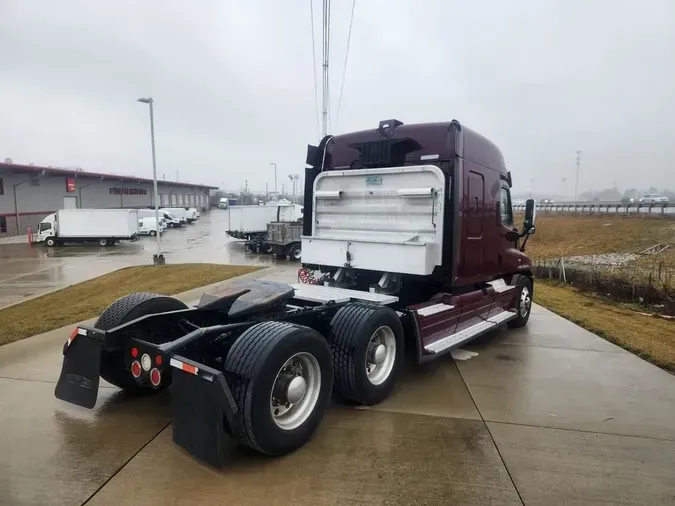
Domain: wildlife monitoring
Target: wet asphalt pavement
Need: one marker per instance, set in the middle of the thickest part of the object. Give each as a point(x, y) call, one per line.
point(27, 271)
point(545, 415)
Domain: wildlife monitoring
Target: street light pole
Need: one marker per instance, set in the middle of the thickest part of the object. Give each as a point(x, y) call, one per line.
point(158, 258)
point(294, 178)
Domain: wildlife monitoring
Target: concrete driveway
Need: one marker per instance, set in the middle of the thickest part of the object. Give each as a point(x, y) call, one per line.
point(550, 414)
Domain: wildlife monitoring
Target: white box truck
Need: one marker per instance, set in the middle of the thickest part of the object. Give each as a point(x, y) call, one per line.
point(103, 226)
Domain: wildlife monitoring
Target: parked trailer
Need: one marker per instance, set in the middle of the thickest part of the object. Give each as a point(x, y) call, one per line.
point(103, 226)
point(284, 239)
point(250, 222)
point(411, 229)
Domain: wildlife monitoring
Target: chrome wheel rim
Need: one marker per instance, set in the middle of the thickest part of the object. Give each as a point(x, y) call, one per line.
point(295, 391)
point(380, 355)
point(525, 302)
point(297, 253)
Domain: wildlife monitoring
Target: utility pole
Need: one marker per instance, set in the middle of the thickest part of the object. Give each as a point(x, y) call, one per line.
point(326, 55)
point(576, 185)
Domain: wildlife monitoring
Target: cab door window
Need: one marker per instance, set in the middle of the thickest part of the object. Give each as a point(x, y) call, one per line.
point(505, 207)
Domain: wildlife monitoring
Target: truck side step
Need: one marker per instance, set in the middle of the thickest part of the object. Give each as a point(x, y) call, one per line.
point(325, 294)
point(500, 286)
point(453, 340)
point(435, 309)
point(502, 317)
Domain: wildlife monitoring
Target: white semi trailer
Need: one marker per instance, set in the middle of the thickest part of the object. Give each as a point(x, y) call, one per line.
point(249, 222)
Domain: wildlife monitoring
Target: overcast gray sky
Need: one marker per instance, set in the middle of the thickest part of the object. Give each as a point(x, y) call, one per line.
point(234, 90)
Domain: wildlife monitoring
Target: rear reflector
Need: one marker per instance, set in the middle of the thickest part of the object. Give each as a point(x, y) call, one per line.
point(74, 334)
point(155, 377)
point(183, 366)
point(136, 369)
point(134, 352)
point(158, 360)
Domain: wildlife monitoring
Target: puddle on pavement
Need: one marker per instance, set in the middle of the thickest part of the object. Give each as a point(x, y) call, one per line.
point(27, 271)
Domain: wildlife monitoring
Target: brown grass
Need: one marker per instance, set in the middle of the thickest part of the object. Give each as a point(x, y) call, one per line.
point(650, 338)
point(88, 299)
point(567, 235)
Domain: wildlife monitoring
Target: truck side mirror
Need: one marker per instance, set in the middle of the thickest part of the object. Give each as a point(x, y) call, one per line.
point(530, 216)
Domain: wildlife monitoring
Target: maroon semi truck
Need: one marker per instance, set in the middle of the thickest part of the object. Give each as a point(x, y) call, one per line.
point(408, 243)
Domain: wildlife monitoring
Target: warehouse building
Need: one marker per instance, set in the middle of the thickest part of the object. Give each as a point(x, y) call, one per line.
point(28, 193)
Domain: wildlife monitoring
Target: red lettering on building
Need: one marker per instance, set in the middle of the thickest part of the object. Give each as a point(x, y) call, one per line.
point(70, 184)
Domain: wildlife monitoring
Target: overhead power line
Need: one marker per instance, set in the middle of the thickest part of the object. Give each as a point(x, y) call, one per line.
point(344, 68)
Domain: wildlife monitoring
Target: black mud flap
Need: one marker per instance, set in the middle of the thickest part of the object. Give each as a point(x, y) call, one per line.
point(78, 383)
point(202, 411)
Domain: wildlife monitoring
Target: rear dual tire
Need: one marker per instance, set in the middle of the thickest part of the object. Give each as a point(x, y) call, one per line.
point(367, 345)
point(281, 377)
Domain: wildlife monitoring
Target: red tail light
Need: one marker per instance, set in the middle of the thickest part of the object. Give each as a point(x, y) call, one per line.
point(136, 369)
point(155, 377)
point(134, 352)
